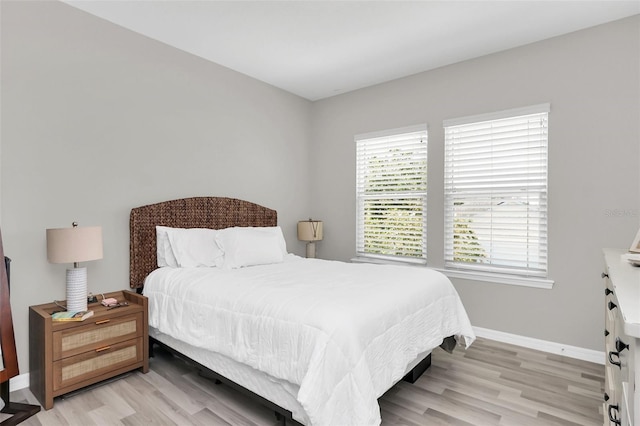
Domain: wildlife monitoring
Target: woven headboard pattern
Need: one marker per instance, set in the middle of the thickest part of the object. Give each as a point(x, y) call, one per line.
point(196, 212)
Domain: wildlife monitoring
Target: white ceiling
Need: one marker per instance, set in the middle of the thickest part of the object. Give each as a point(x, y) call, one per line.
point(318, 49)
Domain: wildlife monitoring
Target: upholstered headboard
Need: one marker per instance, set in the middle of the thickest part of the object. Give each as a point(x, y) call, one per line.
point(196, 212)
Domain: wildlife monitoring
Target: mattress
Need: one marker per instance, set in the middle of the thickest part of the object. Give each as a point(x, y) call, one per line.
point(341, 334)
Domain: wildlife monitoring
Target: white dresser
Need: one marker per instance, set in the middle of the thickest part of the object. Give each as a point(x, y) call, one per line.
point(622, 340)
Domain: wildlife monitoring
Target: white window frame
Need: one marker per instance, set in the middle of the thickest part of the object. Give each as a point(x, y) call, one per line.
point(527, 265)
point(416, 135)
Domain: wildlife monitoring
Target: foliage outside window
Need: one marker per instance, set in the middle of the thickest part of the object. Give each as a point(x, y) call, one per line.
point(496, 192)
point(391, 185)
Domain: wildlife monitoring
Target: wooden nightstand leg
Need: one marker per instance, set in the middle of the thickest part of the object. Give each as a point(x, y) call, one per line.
point(151, 342)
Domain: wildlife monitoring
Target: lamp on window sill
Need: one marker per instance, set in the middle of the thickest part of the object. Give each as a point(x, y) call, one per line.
point(75, 245)
point(310, 231)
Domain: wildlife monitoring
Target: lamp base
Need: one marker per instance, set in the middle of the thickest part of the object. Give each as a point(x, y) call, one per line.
point(311, 250)
point(76, 289)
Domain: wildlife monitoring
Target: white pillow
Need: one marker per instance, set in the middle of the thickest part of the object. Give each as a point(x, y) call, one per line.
point(163, 248)
point(194, 247)
point(248, 246)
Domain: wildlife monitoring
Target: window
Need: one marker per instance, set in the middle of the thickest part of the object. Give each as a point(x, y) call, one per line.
point(391, 185)
point(496, 192)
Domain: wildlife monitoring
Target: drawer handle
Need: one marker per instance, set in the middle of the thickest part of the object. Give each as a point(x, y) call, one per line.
point(104, 321)
point(104, 348)
point(620, 345)
point(606, 332)
point(606, 397)
point(617, 355)
point(607, 291)
point(604, 275)
point(612, 306)
point(613, 408)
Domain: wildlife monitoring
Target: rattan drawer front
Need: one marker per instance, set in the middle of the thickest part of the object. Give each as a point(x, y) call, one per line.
point(96, 334)
point(76, 369)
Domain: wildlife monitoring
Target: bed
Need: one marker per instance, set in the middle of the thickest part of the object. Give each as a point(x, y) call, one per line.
point(317, 341)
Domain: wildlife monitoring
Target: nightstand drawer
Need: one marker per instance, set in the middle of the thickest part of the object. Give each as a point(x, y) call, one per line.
point(102, 360)
point(93, 334)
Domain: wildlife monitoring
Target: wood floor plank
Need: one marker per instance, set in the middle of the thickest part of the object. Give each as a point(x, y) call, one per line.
point(171, 391)
point(113, 403)
point(432, 416)
point(490, 384)
point(555, 412)
point(513, 412)
point(104, 416)
point(207, 417)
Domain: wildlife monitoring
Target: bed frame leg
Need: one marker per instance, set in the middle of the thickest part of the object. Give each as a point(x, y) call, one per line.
point(209, 376)
point(417, 371)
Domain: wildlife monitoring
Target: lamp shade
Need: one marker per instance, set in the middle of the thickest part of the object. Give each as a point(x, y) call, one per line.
point(310, 230)
point(74, 245)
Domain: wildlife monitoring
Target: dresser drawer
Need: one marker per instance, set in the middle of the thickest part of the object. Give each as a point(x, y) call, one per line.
point(86, 366)
point(96, 334)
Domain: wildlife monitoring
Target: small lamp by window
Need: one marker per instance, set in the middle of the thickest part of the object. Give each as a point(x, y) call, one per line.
point(75, 245)
point(310, 231)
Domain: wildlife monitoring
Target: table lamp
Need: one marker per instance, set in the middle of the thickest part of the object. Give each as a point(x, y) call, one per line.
point(310, 231)
point(75, 245)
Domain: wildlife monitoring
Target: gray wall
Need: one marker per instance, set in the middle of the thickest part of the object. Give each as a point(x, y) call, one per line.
point(97, 120)
point(592, 80)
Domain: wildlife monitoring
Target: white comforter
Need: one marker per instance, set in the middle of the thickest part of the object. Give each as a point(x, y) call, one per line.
point(343, 332)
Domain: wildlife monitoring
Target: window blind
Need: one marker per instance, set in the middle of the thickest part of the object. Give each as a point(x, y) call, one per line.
point(391, 194)
point(496, 192)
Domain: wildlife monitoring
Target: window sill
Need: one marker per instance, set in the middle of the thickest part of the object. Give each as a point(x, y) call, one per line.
point(534, 282)
point(542, 283)
point(362, 259)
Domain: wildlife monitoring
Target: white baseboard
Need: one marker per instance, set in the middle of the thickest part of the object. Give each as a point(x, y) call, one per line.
point(19, 382)
point(542, 345)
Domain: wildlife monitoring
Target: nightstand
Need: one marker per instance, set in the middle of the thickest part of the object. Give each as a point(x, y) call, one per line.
point(66, 356)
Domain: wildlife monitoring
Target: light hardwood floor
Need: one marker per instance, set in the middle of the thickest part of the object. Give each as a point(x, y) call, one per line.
point(489, 384)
